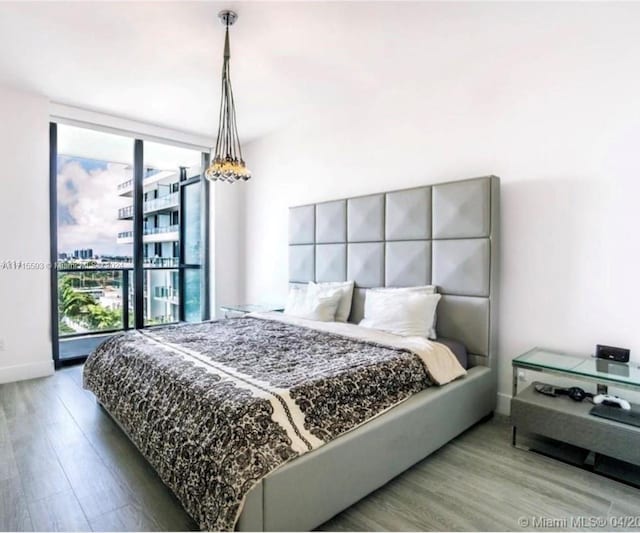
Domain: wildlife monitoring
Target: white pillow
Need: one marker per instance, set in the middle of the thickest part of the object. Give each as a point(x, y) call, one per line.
point(346, 295)
point(296, 300)
point(405, 313)
point(312, 304)
point(428, 289)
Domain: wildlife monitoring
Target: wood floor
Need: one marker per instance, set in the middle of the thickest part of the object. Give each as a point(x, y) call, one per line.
point(66, 466)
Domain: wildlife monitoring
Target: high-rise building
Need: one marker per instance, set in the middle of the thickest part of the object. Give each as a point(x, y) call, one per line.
point(161, 237)
point(85, 253)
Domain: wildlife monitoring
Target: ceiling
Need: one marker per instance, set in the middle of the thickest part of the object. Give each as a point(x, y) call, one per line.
point(160, 62)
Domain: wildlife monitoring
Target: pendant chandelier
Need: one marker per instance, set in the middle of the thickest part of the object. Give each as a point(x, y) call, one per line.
point(227, 164)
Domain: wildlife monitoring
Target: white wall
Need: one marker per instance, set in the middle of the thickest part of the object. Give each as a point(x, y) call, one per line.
point(544, 96)
point(25, 327)
point(227, 257)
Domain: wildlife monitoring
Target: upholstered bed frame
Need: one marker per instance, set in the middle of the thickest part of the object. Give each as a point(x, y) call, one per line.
point(445, 234)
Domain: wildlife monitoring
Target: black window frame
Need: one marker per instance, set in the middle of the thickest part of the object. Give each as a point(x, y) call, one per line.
point(138, 248)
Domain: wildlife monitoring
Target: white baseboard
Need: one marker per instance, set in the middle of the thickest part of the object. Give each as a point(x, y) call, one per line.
point(10, 374)
point(504, 404)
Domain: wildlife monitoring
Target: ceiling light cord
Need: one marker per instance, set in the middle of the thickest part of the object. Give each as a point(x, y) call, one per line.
point(228, 163)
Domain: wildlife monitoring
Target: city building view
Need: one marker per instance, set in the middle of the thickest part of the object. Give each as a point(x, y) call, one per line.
point(96, 291)
point(96, 297)
point(161, 238)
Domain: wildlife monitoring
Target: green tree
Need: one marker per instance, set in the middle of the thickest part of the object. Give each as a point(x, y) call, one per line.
point(82, 307)
point(72, 303)
point(102, 318)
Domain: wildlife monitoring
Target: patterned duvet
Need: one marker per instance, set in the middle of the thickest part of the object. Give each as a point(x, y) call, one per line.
point(217, 406)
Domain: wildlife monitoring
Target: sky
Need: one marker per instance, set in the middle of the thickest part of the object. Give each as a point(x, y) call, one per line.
point(88, 204)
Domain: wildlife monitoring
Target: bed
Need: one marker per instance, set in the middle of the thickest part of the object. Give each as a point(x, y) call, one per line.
point(318, 460)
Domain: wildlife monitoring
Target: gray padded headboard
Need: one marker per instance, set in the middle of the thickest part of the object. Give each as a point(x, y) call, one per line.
point(444, 234)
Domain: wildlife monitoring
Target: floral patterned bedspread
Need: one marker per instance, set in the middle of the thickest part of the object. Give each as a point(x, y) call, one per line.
point(217, 406)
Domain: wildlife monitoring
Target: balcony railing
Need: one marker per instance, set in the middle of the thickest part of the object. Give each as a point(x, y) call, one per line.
point(100, 300)
point(168, 201)
point(162, 229)
point(169, 293)
point(151, 231)
point(163, 262)
point(125, 185)
point(125, 212)
point(151, 174)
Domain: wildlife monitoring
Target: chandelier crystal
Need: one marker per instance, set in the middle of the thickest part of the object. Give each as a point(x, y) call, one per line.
point(227, 164)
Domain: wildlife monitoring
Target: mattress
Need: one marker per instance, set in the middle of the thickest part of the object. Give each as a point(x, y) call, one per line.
point(215, 407)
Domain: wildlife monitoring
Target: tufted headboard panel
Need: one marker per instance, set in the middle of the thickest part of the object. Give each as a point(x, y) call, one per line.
point(445, 234)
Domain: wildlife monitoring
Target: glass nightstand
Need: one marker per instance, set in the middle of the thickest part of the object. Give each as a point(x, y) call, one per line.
point(560, 426)
point(599, 371)
point(244, 309)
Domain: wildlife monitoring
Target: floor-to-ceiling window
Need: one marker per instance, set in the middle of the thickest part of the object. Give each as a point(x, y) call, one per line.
point(167, 231)
point(128, 236)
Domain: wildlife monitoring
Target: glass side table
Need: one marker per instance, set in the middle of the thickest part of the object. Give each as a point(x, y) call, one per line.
point(599, 371)
point(244, 309)
point(602, 372)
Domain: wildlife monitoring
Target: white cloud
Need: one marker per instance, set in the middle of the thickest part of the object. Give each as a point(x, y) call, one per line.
point(91, 198)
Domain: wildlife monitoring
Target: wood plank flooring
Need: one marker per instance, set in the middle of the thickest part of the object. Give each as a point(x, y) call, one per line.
point(66, 466)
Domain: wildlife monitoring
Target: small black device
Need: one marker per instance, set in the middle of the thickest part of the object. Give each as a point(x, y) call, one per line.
point(575, 393)
point(612, 353)
point(543, 388)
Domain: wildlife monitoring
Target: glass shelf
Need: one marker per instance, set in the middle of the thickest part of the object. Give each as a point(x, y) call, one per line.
point(599, 370)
